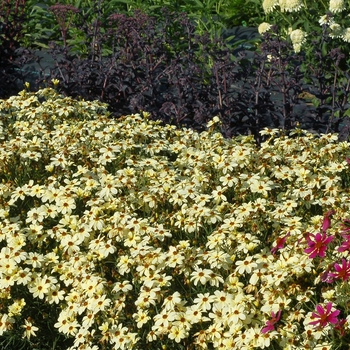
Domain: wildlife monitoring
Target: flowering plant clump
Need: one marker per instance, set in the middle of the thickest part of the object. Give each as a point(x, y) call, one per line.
point(129, 234)
point(320, 31)
point(305, 17)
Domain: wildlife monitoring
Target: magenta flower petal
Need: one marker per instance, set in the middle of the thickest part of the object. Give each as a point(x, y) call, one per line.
point(346, 243)
point(317, 244)
point(342, 271)
point(327, 220)
point(280, 242)
point(325, 315)
point(345, 226)
point(326, 223)
point(270, 324)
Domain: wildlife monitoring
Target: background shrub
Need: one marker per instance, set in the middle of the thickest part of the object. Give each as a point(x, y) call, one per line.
point(168, 66)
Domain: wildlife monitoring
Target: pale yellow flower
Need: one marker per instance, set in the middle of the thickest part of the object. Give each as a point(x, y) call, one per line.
point(245, 266)
point(23, 276)
point(66, 323)
point(201, 275)
point(164, 319)
point(16, 308)
point(325, 19)
point(55, 295)
point(264, 27)
point(336, 6)
point(269, 5)
point(141, 318)
point(59, 160)
point(6, 323)
point(336, 31)
point(39, 287)
point(346, 35)
point(203, 302)
point(298, 38)
point(29, 329)
point(177, 333)
point(291, 5)
point(55, 82)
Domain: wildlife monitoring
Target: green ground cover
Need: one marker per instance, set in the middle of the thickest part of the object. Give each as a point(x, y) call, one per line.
point(126, 234)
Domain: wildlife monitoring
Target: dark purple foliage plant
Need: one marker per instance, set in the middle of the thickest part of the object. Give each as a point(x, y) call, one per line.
point(12, 17)
point(161, 66)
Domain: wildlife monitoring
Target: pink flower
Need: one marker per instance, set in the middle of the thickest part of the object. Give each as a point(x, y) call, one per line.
point(325, 315)
point(270, 324)
point(346, 244)
point(280, 242)
point(327, 220)
point(345, 225)
point(327, 277)
point(317, 244)
point(340, 326)
point(342, 271)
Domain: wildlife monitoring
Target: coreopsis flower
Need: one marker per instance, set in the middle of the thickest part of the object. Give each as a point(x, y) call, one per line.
point(15, 309)
point(177, 333)
point(345, 244)
point(270, 324)
point(326, 277)
point(215, 120)
point(29, 329)
point(201, 275)
point(246, 265)
point(164, 319)
point(269, 5)
point(264, 27)
point(55, 295)
point(340, 326)
point(317, 244)
point(39, 287)
point(66, 323)
point(345, 226)
point(280, 242)
point(298, 38)
point(6, 323)
point(336, 6)
point(59, 160)
point(203, 301)
point(55, 82)
point(141, 317)
point(342, 271)
point(325, 315)
point(327, 220)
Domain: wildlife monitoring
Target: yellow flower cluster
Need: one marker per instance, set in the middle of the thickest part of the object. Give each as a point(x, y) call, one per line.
point(288, 9)
point(142, 236)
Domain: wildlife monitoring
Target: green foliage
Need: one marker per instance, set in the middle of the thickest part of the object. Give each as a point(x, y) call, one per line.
point(324, 26)
point(320, 31)
point(210, 16)
point(41, 29)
